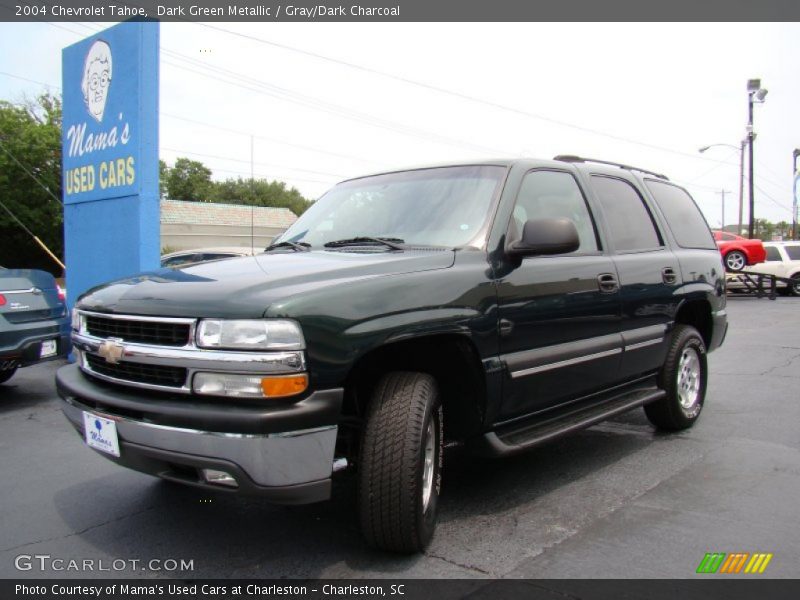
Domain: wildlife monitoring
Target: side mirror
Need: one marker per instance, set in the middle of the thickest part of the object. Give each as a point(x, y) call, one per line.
point(546, 236)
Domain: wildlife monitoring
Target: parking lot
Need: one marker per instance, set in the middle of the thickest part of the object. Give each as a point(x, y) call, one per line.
point(617, 500)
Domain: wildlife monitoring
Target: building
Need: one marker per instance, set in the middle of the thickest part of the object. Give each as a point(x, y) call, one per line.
point(186, 225)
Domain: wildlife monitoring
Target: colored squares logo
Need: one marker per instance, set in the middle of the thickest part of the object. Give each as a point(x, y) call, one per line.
point(734, 563)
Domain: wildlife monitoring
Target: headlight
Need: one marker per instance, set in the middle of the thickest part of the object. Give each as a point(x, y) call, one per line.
point(250, 334)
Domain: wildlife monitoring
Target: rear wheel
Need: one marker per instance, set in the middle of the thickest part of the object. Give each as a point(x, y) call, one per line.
point(400, 463)
point(7, 374)
point(683, 377)
point(735, 260)
point(794, 288)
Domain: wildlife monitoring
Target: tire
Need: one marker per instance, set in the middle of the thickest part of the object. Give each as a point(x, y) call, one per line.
point(794, 290)
point(735, 261)
point(7, 374)
point(684, 377)
point(403, 428)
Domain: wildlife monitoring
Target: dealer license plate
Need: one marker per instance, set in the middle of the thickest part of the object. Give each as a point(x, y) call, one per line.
point(49, 348)
point(101, 433)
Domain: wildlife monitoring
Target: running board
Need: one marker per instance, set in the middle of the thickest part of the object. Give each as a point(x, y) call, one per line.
point(519, 437)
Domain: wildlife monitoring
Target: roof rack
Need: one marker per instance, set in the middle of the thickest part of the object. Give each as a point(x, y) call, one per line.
point(572, 158)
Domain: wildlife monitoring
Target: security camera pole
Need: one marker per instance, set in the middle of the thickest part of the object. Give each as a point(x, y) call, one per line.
point(755, 93)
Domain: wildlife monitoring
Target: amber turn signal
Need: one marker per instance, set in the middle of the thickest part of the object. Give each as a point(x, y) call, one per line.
point(280, 387)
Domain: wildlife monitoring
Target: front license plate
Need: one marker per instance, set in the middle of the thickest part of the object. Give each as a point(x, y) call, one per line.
point(49, 348)
point(101, 433)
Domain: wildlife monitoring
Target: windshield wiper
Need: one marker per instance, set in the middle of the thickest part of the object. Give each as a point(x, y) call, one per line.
point(296, 246)
point(393, 243)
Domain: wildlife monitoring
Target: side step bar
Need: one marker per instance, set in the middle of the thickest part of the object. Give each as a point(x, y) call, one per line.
point(512, 440)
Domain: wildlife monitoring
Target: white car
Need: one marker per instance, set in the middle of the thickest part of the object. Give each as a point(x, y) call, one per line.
point(783, 260)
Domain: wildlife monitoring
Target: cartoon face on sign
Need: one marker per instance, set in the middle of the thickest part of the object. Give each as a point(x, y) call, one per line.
point(97, 78)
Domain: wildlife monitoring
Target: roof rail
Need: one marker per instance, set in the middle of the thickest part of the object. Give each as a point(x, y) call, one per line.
point(572, 158)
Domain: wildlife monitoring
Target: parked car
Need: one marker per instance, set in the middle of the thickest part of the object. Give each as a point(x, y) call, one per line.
point(500, 305)
point(739, 252)
point(34, 325)
point(782, 260)
point(182, 258)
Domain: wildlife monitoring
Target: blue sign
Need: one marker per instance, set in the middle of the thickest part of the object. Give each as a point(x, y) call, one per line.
point(110, 155)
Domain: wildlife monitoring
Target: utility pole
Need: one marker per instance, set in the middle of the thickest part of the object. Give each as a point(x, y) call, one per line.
point(795, 177)
point(741, 185)
point(722, 193)
point(755, 93)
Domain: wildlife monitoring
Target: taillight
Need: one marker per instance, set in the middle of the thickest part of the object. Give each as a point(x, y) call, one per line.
point(2, 300)
point(62, 293)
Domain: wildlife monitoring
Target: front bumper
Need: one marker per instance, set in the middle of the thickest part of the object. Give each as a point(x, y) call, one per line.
point(283, 454)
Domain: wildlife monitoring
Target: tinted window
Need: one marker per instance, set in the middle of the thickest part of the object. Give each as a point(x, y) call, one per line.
point(555, 195)
point(684, 218)
point(727, 237)
point(793, 252)
point(773, 254)
point(629, 222)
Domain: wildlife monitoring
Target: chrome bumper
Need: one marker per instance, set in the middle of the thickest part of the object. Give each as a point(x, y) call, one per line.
point(292, 467)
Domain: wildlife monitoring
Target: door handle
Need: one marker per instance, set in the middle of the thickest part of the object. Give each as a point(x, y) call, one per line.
point(607, 283)
point(668, 275)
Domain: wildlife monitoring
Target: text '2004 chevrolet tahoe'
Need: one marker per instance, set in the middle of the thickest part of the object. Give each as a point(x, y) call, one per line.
point(499, 304)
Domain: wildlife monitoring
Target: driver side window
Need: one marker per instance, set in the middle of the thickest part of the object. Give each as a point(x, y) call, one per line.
point(553, 195)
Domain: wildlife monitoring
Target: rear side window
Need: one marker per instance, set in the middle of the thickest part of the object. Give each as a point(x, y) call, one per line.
point(629, 221)
point(793, 252)
point(684, 218)
point(772, 254)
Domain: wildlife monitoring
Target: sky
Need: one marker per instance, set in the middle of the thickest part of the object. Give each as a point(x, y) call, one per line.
point(317, 103)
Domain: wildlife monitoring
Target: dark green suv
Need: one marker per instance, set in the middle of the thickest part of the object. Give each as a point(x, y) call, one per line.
point(500, 304)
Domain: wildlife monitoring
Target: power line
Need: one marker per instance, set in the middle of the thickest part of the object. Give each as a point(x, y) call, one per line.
point(269, 165)
point(453, 93)
point(287, 95)
point(268, 139)
point(31, 175)
point(29, 80)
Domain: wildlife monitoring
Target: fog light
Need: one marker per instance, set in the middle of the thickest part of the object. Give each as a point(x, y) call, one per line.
point(249, 386)
point(219, 478)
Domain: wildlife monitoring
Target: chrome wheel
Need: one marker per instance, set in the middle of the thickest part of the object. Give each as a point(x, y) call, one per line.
point(428, 466)
point(689, 379)
point(735, 261)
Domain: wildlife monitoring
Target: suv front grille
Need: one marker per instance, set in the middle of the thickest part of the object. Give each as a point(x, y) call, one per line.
point(145, 332)
point(137, 372)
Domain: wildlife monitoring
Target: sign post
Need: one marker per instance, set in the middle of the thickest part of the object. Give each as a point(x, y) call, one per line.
point(110, 155)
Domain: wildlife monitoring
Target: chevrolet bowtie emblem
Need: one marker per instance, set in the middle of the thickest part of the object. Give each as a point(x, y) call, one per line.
point(112, 350)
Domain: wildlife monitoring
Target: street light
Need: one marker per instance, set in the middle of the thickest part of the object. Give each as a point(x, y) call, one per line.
point(741, 147)
point(795, 176)
point(755, 94)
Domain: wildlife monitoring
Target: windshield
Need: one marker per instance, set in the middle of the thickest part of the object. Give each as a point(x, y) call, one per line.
point(430, 207)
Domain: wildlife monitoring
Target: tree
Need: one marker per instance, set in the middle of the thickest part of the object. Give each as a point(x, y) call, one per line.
point(188, 180)
point(30, 161)
point(163, 178)
point(191, 180)
point(260, 192)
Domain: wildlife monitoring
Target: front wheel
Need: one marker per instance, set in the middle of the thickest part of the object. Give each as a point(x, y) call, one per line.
point(400, 466)
point(683, 377)
point(735, 261)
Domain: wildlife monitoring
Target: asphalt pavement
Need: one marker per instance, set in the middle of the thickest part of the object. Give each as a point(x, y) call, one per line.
point(618, 500)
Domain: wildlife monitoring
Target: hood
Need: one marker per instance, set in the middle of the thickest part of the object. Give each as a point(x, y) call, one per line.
point(245, 287)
